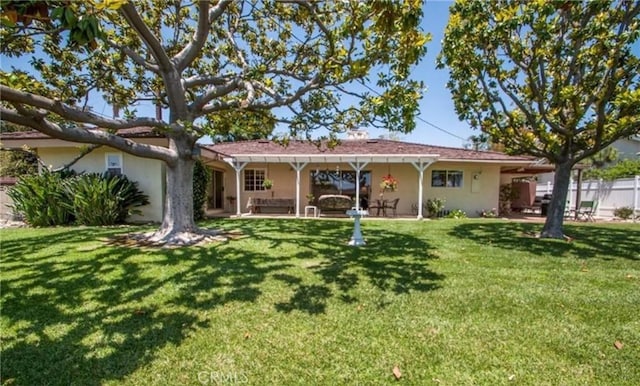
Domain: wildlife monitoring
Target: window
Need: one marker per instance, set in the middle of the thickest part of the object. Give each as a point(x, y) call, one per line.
point(114, 163)
point(339, 182)
point(446, 178)
point(253, 179)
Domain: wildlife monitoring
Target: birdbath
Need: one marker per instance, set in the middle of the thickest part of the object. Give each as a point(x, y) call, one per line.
point(356, 239)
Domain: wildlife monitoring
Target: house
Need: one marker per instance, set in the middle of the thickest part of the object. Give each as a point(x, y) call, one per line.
point(149, 174)
point(467, 179)
point(628, 147)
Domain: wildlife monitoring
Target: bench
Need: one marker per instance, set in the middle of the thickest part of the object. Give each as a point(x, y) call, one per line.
point(334, 203)
point(256, 205)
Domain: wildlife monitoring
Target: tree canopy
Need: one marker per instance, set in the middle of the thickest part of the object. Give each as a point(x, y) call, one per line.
point(552, 79)
point(313, 62)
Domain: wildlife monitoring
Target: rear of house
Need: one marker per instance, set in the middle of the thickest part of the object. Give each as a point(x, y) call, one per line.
point(466, 179)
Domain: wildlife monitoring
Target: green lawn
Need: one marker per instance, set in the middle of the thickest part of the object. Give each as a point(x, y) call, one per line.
point(448, 302)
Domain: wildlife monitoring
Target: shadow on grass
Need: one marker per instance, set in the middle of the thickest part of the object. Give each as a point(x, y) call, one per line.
point(588, 240)
point(391, 261)
point(78, 311)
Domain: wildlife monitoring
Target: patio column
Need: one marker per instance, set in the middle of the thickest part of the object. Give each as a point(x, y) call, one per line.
point(358, 166)
point(298, 166)
point(237, 166)
point(421, 166)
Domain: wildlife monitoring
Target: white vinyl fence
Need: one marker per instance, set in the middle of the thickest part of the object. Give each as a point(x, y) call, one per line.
point(609, 194)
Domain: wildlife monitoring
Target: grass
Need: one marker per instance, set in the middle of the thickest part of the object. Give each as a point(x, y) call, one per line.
point(447, 302)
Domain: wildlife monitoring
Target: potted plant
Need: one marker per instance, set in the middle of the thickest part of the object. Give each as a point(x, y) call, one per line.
point(389, 184)
point(310, 198)
point(267, 184)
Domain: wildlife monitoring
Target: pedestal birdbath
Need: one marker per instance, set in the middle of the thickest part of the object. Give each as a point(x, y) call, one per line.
point(356, 238)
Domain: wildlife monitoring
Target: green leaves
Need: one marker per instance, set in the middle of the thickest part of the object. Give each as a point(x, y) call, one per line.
point(50, 199)
point(548, 79)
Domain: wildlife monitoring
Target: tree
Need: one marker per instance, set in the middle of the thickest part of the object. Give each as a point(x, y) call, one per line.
point(200, 60)
point(231, 126)
point(478, 142)
point(552, 79)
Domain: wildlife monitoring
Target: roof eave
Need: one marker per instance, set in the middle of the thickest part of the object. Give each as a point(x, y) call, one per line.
point(388, 158)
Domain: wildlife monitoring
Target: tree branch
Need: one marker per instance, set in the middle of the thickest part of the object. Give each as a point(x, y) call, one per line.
point(139, 60)
point(206, 17)
point(311, 85)
point(206, 80)
point(135, 21)
point(214, 92)
point(91, 136)
point(11, 95)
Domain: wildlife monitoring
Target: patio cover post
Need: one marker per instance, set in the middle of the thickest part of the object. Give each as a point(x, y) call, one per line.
point(298, 166)
point(358, 166)
point(421, 166)
point(578, 193)
point(237, 166)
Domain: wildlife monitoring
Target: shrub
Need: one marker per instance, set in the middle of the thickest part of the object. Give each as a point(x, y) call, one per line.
point(201, 178)
point(457, 213)
point(435, 206)
point(493, 213)
point(624, 212)
point(42, 200)
point(60, 198)
point(104, 199)
point(506, 195)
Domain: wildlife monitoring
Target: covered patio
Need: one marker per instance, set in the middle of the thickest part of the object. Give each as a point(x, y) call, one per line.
point(301, 172)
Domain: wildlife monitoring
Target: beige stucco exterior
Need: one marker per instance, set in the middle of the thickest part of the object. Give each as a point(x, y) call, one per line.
point(148, 173)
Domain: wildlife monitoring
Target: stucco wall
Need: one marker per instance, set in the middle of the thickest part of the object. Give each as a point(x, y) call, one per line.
point(147, 173)
point(472, 197)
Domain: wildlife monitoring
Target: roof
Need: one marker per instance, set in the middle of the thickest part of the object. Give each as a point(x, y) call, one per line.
point(134, 132)
point(374, 148)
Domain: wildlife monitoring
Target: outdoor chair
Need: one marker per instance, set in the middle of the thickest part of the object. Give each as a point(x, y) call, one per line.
point(393, 205)
point(378, 205)
point(585, 211)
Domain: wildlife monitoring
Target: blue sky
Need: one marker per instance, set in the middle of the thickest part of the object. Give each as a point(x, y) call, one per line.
point(436, 106)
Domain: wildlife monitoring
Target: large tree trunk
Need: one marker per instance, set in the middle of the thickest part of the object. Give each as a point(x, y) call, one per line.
point(555, 215)
point(178, 227)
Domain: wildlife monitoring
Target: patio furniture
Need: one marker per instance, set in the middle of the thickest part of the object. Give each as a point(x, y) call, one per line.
point(378, 205)
point(309, 208)
point(334, 203)
point(258, 204)
point(585, 210)
point(393, 205)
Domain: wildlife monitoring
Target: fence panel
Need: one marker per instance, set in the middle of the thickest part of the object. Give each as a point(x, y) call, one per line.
point(609, 194)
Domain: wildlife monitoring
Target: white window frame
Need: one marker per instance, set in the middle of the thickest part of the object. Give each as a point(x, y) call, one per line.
point(120, 162)
point(258, 187)
point(446, 178)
